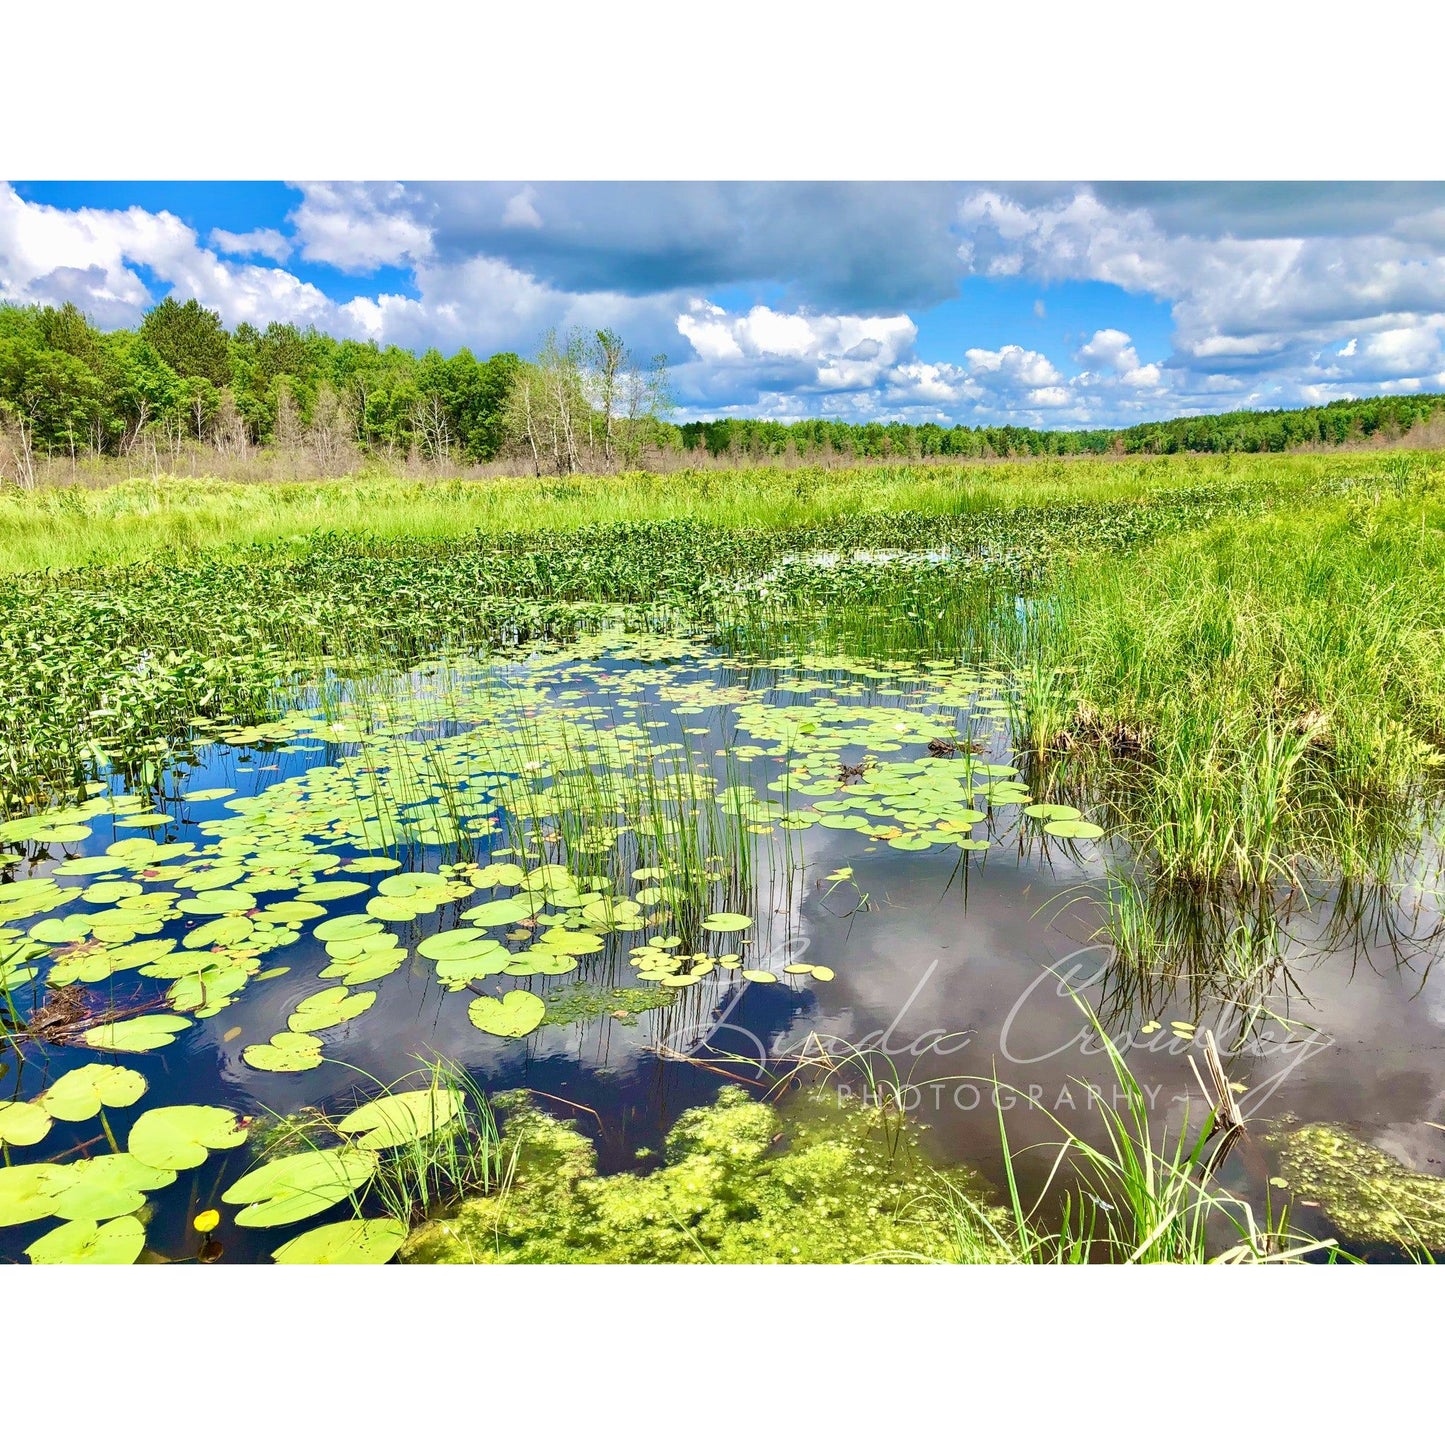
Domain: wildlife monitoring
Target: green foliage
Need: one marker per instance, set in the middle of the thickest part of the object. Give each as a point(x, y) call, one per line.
point(746, 439)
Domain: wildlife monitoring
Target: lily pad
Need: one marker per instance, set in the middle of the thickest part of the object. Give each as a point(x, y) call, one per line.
point(512, 1016)
point(1073, 828)
point(329, 1007)
point(287, 1053)
point(22, 1123)
point(354, 1241)
point(83, 1241)
point(300, 1185)
point(104, 1187)
point(181, 1136)
point(84, 1092)
point(402, 1118)
point(726, 922)
point(137, 1035)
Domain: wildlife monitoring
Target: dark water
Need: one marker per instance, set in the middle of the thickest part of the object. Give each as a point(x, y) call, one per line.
point(953, 969)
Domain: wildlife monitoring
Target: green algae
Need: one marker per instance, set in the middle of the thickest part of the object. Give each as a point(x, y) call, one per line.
point(583, 1002)
point(741, 1182)
point(1369, 1195)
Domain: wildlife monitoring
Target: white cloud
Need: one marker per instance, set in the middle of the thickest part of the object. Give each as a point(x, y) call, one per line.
point(357, 227)
point(521, 210)
point(1262, 306)
point(89, 256)
point(267, 242)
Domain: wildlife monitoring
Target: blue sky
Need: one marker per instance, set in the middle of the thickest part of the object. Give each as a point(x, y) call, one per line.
point(1066, 304)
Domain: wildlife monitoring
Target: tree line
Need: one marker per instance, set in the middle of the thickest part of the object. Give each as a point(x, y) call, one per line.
point(181, 381)
point(1337, 424)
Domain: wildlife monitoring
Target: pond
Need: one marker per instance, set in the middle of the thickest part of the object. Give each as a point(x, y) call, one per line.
point(626, 874)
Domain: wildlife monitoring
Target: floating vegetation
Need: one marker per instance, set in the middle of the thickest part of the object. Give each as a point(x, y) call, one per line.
point(741, 1183)
point(1369, 1195)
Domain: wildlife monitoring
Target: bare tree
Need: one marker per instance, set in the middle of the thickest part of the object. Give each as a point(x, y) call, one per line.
point(329, 437)
point(430, 422)
point(290, 442)
point(229, 433)
point(17, 451)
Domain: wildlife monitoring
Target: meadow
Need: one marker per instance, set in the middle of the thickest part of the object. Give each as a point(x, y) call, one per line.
point(679, 730)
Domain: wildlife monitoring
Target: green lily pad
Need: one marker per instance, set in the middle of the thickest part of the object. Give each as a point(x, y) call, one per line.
point(287, 1053)
point(219, 900)
point(22, 1123)
point(512, 1016)
point(1073, 828)
point(329, 1007)
point(84, 1092)
point(726, 922)
point(104, 1187)
point(181, 1136)
point(502, 910)
point(25, 1192)
point(137, 1035)
point(300, 1185)
point(83, 1241)
point(402, 1118)
point(354, 1241)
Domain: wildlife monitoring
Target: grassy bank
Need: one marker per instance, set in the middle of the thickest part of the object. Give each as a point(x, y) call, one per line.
point(143, 520)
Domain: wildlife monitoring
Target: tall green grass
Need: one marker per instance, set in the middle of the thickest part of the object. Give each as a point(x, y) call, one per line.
point(147, 519)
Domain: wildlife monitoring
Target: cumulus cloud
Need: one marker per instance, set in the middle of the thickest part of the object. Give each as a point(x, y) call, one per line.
point(360, 227)
point(91, 257)
point(1261, 305)
point(764, 361)
point(266, 242)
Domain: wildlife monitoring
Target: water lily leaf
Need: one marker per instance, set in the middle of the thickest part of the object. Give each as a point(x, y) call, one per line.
point(726, 922)
point(566, 940)
point(181, 1136)
point(104, 1187)
point(502, 910)
point(84, 1092)
point(229, 928)
point(457, 943)
point(136, 1036)
point(822, 973)
point(287, 1053)
point(111, 891)
point(354, 1241)
point(83, 1241)
point(365, 967)
point(513, 1015)
point(25, 1192)
point(22, 1123)
point(539, 960)
point(330, 890)
point(219, 900)
point(1073, 828)
point(498, 875)
point(370, 865)
point(1051, 812)
point(759, 975)
point(402, 1118)
point(352, 925)
point(208, 795)
point(300, 1185)
point(329, 1007)
point(143, 820)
